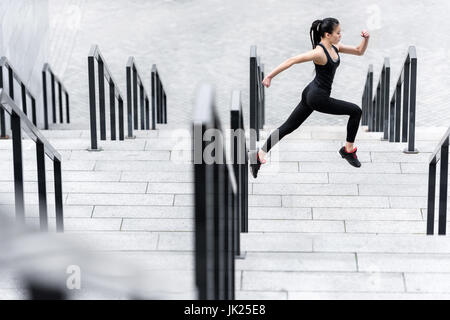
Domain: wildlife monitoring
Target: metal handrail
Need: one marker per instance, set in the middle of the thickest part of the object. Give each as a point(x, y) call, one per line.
point(239, 153)
point(115, 93)
point(159, 99)
point(257, 96)
point(376, 107)
point(19, 121)
point(441, 154)
point(216, 205)
point(134, 81)
point(61, 89)
point(436, 155)
point(366, 104)
point(407, 80)
point(13, 74)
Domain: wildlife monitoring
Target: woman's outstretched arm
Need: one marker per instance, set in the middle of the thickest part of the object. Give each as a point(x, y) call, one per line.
point(358, 50)
point(304, 57)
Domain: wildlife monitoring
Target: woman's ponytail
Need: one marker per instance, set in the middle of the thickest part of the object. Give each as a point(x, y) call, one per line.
point(314, 33)
point(319, 27)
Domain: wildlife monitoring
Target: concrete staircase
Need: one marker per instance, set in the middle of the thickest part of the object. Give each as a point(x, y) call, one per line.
point(319, 228)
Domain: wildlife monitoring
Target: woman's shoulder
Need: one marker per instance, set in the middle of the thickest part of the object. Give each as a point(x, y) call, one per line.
point(320, 58)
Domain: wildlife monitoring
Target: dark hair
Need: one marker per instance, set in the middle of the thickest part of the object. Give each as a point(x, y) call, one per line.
point(319, 27)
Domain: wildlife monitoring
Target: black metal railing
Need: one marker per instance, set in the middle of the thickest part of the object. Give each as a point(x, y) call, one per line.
point(239, 156)
point(62, 91)
point(216, 204)
point(405, 109)
point(25, 94)
point(159, 99)
point(395, 116)
point(135, 82)
point(19, 121)
point(378, 117)
point(367, 104)
point(440, 154)
point(257, 96)
point(114, 93)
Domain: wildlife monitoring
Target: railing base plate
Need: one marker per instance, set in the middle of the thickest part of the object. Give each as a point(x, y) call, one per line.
point(4, 138)
point(94, 150)
point(242, 256)
point(132, 137)
point(410, 152)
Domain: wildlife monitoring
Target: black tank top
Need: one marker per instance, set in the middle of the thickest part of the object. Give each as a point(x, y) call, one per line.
point(325, 73)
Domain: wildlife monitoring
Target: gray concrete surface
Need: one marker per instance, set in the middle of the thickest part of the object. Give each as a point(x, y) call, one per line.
point(194, 41)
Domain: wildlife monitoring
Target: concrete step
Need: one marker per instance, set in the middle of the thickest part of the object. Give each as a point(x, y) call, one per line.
point(312, 217)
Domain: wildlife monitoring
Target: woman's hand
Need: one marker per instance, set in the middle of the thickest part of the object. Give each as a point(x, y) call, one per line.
point(266, 82)
point(365, 34)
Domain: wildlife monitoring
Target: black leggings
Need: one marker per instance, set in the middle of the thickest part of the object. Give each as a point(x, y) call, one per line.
point(316, 98)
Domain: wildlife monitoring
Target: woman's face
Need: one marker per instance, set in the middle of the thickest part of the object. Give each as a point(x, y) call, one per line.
point(336, 36)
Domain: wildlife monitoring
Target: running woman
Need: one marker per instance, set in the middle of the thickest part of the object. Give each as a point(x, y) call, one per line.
point(325, 38)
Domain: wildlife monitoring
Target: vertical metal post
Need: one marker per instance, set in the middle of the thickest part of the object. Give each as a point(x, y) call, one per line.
point(244, 216)
point(253, 98)
point(363, 106)
point(2, 112)
point(221, 187)
point(67, 108)
point(379, 105)
point(159, 97)
point(11, 82)
point(398, 105)
point(101, 98)
point(18, 167)
point(24, 98)
point(374, 113)
point(52, 80)
point(201, 198)
point(42, 185)
point(405, 101)
point(370, 101)
point(234, 230)
point(392, 119)
point(227, 202)
point(431, 196)
point(121, 122)
point(412, 107)
point(33, 111)
point(443, 189)
point(386, 103)
point(129, 105)
point(112, 109)
point(44, 94)
point(142, 103)
point(58, 196)
point(60, 100)
point(147, 114)
point(263, 96)
point(153, 84)
point(236, 155)
point(135, 98)
point(165, 106)
point(92, 108)
point(382, 97)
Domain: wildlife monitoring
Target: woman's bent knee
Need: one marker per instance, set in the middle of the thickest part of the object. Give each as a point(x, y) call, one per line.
point(356, 111)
